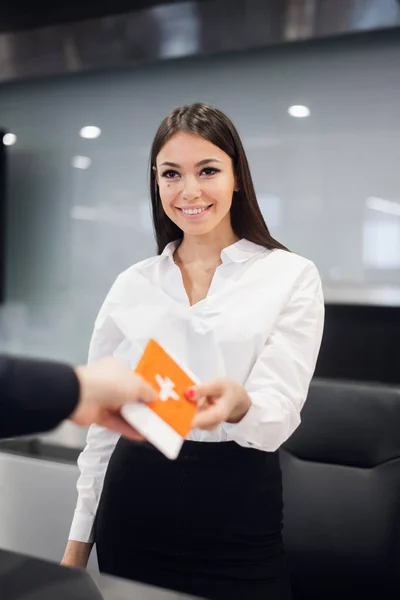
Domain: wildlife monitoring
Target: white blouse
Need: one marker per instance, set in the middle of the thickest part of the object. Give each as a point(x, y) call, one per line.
point(261, 324)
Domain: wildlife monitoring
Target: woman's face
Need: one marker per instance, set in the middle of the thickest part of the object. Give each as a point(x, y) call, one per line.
point(196, 183)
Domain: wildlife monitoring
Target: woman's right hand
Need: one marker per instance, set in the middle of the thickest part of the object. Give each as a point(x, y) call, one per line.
point(76, 554)
point(219, 401)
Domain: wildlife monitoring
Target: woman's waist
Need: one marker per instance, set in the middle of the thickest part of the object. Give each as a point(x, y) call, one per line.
point(222, 477)
point(218, 455)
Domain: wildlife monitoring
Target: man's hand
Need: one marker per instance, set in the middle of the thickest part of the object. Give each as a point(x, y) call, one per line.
point(105, 386)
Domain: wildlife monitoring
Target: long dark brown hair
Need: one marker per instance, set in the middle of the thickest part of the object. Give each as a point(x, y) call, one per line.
point(212, 125)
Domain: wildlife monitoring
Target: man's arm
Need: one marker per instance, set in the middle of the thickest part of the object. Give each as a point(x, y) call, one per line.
point(35, 396)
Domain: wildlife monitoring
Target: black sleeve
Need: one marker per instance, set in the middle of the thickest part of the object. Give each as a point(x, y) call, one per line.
point(35, 396)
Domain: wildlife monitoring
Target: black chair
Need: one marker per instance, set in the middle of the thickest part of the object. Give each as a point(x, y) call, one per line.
point(341, 477)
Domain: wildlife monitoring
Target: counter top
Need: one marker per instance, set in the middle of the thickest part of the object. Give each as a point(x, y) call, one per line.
point(25, 578)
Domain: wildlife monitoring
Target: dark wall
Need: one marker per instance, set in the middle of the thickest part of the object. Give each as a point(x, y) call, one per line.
point(361, 343)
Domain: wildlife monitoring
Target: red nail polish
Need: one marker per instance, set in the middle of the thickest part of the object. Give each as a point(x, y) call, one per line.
point(189, 394)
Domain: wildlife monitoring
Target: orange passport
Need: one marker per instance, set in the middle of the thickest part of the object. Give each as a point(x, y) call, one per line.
point(168, 420)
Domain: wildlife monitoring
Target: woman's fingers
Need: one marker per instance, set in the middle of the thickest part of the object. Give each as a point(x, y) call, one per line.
point(213, 404)
point(219, 401)
point(210, 417)
point(212, 389)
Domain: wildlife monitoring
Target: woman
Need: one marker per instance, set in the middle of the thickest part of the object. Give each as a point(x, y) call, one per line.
point(236, 308)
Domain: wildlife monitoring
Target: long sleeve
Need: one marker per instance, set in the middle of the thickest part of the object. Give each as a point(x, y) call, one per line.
point(279, 381)
point(92, 463)
point(35, 395)
point(100, 442)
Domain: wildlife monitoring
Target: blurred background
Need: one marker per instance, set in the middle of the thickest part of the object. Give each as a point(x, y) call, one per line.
point(314, 89)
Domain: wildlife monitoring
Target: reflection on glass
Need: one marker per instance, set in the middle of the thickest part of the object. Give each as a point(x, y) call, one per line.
point(179, 29)
point(9, 139)
point(389, 207)
point(381, 243)
point(90, 132)
point(299, 111)
point(335, 273)
point(81, 162)
point(271, 208)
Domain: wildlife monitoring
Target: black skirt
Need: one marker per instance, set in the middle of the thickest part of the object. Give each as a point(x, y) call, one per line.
point(207, 524)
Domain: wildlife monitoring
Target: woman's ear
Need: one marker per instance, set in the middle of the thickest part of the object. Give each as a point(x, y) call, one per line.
point(155, 173)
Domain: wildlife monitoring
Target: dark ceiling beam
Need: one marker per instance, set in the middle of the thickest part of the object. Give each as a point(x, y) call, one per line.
point(173, 29)
point(19, 15)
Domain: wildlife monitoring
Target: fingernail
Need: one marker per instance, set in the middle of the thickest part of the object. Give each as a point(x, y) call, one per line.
point(190, 394)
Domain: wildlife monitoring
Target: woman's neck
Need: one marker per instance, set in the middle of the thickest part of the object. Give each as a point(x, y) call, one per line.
point(205, 249)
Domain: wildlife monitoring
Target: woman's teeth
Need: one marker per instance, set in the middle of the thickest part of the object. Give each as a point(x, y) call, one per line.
point(193, 211)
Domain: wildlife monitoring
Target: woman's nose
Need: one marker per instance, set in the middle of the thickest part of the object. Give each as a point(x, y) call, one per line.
point(191, 188)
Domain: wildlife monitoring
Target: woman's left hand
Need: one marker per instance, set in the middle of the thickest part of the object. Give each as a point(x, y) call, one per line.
point(220, 401)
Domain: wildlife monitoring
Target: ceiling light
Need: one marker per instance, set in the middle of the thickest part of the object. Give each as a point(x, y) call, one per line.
point(81, 162)
point(90, 132)
point(299, 111)
point(9, 139)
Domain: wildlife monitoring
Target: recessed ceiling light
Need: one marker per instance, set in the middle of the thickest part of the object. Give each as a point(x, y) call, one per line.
point(90, 132)
point(9, 139)
point(299, 111)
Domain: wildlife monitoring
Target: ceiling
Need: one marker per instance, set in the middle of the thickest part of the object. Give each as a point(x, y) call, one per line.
point(17, 15)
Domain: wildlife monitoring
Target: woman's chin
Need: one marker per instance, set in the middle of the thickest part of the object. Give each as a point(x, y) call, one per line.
point(197, 228)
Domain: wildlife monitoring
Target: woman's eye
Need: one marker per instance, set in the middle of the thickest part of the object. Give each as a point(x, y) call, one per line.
point(170, 174)
point(210, 171)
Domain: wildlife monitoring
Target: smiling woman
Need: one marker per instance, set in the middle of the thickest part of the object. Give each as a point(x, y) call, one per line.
point(246, 317)
point(196, 193)
point(199, 166)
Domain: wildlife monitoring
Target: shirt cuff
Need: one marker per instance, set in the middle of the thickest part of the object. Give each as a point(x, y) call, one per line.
point(245, 432)
point(82, 528)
